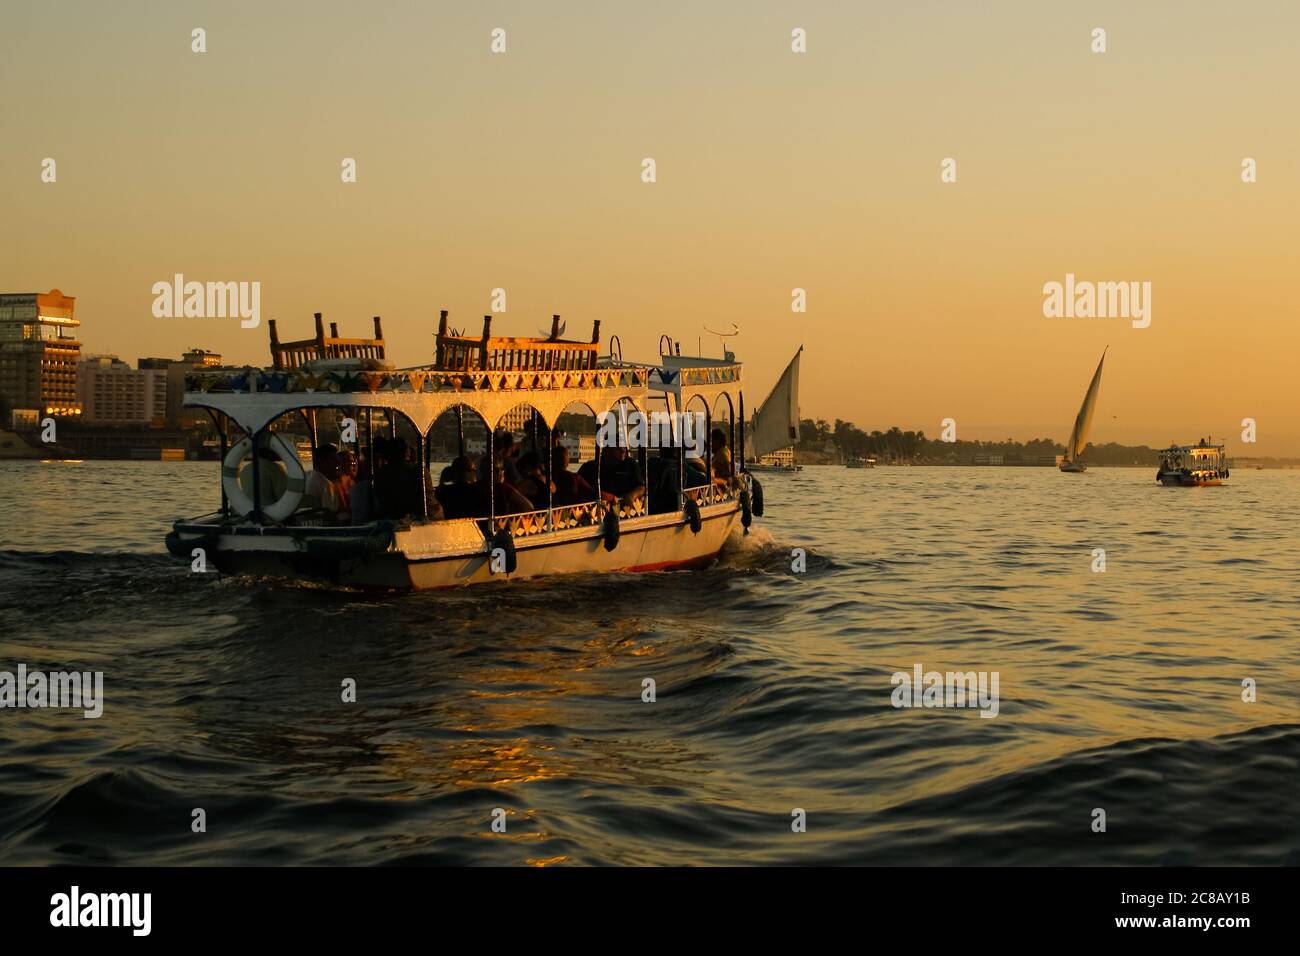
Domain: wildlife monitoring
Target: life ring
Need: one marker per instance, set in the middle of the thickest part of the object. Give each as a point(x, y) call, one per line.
point(692, 511)
point(287, 503)
point(611, 532)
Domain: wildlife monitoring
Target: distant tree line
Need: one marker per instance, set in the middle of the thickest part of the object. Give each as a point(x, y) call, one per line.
point(817, 437)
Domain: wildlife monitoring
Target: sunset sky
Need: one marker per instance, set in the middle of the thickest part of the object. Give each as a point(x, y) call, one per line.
point(775, 170)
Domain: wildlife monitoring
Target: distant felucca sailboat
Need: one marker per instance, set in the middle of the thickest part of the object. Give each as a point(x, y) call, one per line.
point(775, 426)
point(1083, 421)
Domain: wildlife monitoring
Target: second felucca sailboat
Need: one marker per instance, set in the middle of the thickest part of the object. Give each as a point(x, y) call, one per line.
point(1070, 462)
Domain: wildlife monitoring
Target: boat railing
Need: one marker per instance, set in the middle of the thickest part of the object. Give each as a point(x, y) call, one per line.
point(292, 355)
point(632, 509)
point(522, 525)
point(528, 523)
point(580, 515)
point(712, 493)
point(584, 515)
point(454, 352)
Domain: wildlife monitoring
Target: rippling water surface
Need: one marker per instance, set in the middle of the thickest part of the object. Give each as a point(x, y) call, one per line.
point(1120, 690)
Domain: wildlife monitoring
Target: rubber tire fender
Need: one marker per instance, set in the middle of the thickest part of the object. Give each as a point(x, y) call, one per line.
point(611, 531)
point(757, 496)
point(692, 511)
point(504, 540)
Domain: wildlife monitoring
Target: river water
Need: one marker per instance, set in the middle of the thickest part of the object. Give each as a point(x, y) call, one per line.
point(1118, 690)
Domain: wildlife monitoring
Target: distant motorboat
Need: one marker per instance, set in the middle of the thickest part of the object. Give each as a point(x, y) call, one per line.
point(781, 460)
point(1202, 465)
point(1069, 462)
point(856, 462)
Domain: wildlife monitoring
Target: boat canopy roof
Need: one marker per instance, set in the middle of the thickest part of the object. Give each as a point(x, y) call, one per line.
point(493, 377)
point(1202, 450)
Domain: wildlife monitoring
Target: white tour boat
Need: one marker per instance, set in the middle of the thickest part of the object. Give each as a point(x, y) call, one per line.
point(1202, 465)
point(342, 392)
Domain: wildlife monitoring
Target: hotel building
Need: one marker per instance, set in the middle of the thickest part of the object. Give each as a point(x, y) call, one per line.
point(38, 353)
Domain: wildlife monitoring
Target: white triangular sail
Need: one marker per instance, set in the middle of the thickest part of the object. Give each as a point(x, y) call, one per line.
point(1083, 422)
point(775, 424)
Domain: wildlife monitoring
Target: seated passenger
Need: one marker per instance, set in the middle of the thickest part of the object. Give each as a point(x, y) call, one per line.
point(458, 494)
point(361, 495)
point(588, 472)
point(533, 483)
point(664, 480)
point(320, 486)
point(507, 498)
point(503, 448)
point(271, 475)
point(720, 457)
point(570, 488)
point(397, 481)
point(696, 473)
point(620, 475)
point(347, 478)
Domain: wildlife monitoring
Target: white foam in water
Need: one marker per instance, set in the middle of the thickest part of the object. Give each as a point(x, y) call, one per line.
point(745, 549)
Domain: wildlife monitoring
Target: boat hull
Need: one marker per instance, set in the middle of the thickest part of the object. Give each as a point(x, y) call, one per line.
point(429, 556)
point(1179, 480)
point(1073, 467)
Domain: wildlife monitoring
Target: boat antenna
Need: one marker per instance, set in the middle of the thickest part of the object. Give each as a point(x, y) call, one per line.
point(723, 336)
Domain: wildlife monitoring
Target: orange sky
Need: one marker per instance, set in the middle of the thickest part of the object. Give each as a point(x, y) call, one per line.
point(775, 170)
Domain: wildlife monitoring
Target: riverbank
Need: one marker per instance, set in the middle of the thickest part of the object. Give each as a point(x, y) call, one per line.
point(13, 447)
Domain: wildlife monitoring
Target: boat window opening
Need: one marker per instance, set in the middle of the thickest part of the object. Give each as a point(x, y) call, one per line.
point(573, 445)
point(457, 441)
point(695, 464)
point(518, 483)
point(722, 460)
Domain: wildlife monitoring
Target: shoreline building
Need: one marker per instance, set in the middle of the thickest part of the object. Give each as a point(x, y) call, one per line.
point(39, 351)
point(175, 370)
point(112, 392)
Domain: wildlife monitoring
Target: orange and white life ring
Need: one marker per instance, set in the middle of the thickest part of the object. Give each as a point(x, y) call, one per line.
point(283, 506)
